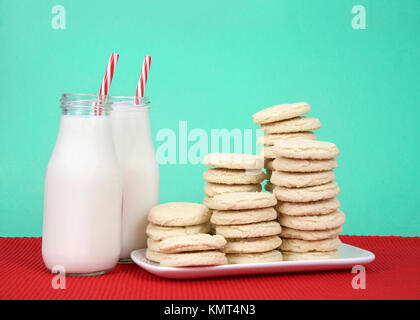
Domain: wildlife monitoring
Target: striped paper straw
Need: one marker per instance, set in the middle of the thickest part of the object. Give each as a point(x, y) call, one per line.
point(143, 78)
point(106, 82)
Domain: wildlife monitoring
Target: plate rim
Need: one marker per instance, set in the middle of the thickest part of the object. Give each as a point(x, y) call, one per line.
point(165, 272)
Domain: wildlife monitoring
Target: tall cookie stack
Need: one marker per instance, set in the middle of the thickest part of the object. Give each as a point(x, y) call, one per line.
point(283, 122)
point(178, 236)
point(308, 211)
point(248, 222)
point(232, 172)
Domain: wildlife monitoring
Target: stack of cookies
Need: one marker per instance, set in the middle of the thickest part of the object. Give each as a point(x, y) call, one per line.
point(178, 236)
point(232, 172)
point(283, 122)
point(308, 211)
point(248, 221)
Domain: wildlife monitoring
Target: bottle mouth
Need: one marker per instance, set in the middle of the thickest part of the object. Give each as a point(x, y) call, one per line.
point(127, 101)
point(84, 104)
point(94, 104)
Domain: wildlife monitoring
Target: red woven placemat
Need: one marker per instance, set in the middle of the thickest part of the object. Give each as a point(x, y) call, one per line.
point(393, 275)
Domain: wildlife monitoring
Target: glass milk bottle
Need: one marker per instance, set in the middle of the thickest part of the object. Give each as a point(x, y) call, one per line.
point(83, 191)
point(140, 171)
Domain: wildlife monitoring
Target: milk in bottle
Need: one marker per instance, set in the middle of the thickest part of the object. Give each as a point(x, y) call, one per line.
point(140, 172)
point(83, 191)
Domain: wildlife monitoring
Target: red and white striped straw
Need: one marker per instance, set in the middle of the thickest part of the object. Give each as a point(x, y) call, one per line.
point(143, 77)
point(109, 73)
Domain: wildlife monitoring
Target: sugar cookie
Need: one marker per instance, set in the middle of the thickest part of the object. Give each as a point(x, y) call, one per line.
point(193, 242)
point(241, 201)
point(302, 165)
point(212, 189)
point(252, 245)
point(296, 256)
point(297, 245)
point(297, 124)
point(254, 230)
point(301, 179)
point(281, 112)
point(233, 176)
point(310, 235)
point(179, 214)
point(270, 139)
point(305, 149)
point(156, 232)
point(233, 217)
point(308, 208)
point(327, 221)
point(187, 259)
point(308, 194)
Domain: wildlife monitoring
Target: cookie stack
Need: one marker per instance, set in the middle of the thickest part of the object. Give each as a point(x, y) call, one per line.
point(308, 210)
point(178, 236)
point(232, 172)
point(283, 122)
point(248, 221)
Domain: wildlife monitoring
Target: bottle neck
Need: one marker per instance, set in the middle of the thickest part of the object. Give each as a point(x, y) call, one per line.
point(74, 104)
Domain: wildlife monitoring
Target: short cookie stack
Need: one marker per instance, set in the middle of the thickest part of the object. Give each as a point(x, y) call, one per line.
point(308, 211)
point(283, 122)
point(232, 172)
point(248, 222)
point(178, 236)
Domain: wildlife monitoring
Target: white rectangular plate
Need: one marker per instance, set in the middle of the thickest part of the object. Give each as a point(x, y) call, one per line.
point(349, 256)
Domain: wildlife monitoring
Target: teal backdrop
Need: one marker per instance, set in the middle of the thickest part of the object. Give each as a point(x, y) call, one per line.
point(215, 63)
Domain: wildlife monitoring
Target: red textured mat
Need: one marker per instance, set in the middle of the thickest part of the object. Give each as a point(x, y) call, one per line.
point(393, 275)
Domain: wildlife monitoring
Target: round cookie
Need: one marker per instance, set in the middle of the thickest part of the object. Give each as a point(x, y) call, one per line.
point(267, 152)
point(297, 124)
point(303, 165)
point(233, 161)
point(156, 232)
point(301, 179)
point(296, 256)
point(310, 235)
point(297, 245)
point(189, 259)
point(230, 217)
point(154, 255)
point(305, 149)
point(193, 242)
point(252, 245)
point(241, 201)
point(254, 230)
point(269, 186)
point(212, 189)
point(269, 256)
point(270, 139)
point(281, 112)
point(233, 176)
point(308, 208)
point(179, 214)
point(308, 194)
point(327, 221)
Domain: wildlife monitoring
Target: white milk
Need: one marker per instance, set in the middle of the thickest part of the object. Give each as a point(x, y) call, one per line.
point(83, 195)
point(140, 172)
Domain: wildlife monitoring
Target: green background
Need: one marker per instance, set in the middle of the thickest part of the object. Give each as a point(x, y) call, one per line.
point(215, 63)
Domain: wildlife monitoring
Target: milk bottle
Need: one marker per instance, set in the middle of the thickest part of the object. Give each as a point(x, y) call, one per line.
point(140, 172)
point(83, 191)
